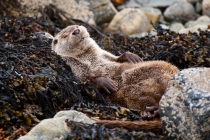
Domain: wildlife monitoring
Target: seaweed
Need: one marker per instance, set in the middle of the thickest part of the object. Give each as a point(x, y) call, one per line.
point(35, 83)
point(183, 50)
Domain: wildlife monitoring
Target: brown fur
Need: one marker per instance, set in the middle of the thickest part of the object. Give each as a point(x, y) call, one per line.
point(139, 85)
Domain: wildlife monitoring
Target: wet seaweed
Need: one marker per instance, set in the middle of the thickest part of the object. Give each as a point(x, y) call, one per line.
point(35, 83)
point(182, 50)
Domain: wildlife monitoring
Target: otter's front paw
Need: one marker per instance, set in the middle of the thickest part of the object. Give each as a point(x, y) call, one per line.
point(150, 112)
point(129, 57)
point(106, 84)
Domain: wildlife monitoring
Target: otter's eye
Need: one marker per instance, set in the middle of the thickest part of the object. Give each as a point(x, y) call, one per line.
point(55, 41)
point(75, 32)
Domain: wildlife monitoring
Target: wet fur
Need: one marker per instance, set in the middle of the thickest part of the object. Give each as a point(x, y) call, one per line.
point(139, 85)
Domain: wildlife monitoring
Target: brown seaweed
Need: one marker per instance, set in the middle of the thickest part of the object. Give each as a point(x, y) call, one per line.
point(35, 83)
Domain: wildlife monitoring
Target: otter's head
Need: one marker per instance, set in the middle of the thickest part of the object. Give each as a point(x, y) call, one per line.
point(71, 41)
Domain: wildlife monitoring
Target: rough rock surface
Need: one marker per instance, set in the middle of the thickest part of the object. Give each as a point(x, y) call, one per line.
point(50, 129)
point(206, 7)
point(129, 21)
point(176, 27)
point(185, 107)
point(79, 9)
point(180, 11)
point(103, 10)
point(194, 29)
point(92, 12)
point(153, 15)
point(203, 20)
point(147, 3)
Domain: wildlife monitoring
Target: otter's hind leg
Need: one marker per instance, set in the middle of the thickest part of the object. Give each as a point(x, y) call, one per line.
point(146, 93)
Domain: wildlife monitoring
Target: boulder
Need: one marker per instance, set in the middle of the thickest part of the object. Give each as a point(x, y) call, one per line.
point(176, 27)
point(153, 15)
point(185, 106)
point(203, 20)
point(92, 12)
point(206, 7)
point(103, 11)
point(147, 3)
point(180, 11)
point(56, 128)
point(129, 21)
point(78, 9)
point(194, 29)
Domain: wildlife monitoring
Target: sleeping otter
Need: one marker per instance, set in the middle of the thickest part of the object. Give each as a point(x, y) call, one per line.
point(126, 80)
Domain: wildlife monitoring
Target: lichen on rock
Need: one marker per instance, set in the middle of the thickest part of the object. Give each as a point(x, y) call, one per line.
point(185, 106)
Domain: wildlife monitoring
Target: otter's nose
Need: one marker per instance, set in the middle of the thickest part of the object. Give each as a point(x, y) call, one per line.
point(75, 32)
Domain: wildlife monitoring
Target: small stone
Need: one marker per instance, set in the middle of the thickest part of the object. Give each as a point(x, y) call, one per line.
point(139, 35)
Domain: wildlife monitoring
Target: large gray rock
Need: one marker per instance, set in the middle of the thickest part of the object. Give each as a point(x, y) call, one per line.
point(180, 11)
point(78, 9)
point(92, 12)
point(56, 128)
point(185, 107)
point(129, 21)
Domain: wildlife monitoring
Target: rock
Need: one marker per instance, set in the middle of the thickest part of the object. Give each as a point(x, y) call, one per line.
point(185, 107)
point(180, 11)
point(139, 35)
point(176, 27)
point(147, 3)
point(78, 9)
point(56, 128)
point(206, 7)
point(193, 1)
point(92, 12)
point(198, 7)
point(194, 29)
point(103, 11)
point(129, 21)
point(153, 15)
point(203, 20)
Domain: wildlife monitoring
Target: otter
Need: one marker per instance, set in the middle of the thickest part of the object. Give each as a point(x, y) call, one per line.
point(126, 79)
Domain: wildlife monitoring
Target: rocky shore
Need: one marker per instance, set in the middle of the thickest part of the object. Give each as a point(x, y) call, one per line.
point(40, 97)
